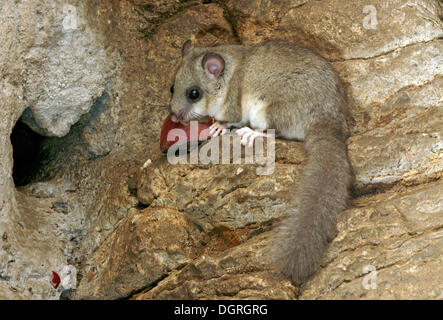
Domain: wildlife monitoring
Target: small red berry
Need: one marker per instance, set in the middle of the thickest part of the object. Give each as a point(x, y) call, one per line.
point(55, 279)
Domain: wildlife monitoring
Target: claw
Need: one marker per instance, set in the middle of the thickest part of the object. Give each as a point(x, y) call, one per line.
point(218, 129)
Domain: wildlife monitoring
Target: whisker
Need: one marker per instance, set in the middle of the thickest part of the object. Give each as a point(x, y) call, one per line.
point(182, 114)
point(196, 115)
point(188, 115)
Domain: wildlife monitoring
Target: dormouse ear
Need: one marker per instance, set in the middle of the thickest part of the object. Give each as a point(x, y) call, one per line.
point(186, 47)
point(213, 64)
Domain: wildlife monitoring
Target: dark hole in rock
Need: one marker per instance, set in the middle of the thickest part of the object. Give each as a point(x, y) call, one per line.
point(26, 152)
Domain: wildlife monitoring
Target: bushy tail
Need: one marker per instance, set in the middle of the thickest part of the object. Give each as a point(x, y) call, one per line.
point(321, 194)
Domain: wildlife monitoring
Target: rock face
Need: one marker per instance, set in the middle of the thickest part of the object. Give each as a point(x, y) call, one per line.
point(93, 78)
point(64, 64)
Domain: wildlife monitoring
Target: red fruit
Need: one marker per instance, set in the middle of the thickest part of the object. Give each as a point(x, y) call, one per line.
point(189, 132)
point(55, 279)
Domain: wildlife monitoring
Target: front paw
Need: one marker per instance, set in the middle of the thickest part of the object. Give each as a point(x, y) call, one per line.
point(218, 129)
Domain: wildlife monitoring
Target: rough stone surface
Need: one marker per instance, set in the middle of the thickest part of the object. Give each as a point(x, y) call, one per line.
point(410, 156)
point(399, 235)
point(158, 241)
point(209, 209)
point(66, 68)
point(240, 273)
point(95, 80)
point(339, 30)
point(384, 232)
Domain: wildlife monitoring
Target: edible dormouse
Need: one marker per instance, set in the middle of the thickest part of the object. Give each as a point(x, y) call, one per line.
point(291, 89)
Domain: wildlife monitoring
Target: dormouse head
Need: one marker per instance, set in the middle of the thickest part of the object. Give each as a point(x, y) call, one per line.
point(198, 83)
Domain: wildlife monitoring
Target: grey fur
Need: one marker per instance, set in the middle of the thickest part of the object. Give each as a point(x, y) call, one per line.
point(303, 99)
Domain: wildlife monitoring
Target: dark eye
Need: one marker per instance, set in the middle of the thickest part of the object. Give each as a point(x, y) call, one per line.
point(172, 89)
point(193, 94)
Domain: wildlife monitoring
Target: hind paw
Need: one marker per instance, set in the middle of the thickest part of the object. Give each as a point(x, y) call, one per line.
point(249, 135)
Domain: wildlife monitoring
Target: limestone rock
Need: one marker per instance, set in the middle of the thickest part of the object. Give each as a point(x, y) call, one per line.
point(66, 68)
point(106, 202)
point(230, 195)
point(337, 29)
point(397, 238)
point(407, 151)
point(239, 273)
point(414, 66)
point(374, 236)
point(145, 246)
